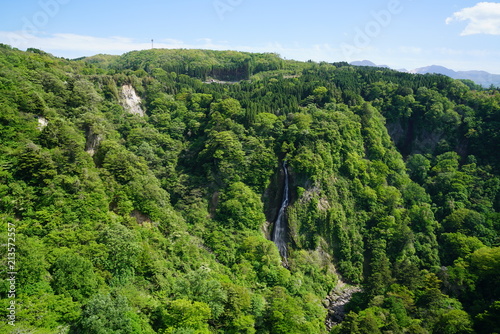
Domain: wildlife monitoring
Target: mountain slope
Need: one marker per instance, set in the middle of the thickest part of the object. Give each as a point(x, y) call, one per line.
point(367, 63)
point(160, 222)
point(482, 78)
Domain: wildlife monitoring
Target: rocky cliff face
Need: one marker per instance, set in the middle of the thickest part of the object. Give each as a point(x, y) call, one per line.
point(336, 301)
point(131, 101)
point(93, 141)
point(410, 138)
point(42, 123)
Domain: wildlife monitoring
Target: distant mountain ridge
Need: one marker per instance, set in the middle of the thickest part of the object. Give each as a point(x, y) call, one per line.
point(367, 63)
point(482, 78)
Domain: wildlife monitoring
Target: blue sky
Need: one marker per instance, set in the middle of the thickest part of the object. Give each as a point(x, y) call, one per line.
point(459, 34)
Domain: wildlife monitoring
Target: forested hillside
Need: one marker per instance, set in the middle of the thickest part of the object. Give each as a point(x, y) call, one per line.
point(120, 217)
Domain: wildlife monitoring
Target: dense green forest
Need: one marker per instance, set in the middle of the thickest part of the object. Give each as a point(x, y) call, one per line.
point(115, 221)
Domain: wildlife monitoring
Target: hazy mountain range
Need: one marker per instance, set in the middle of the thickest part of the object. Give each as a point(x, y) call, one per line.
point(482, 78)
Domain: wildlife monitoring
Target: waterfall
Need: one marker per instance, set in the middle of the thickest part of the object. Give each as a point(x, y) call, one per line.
point(279, 235)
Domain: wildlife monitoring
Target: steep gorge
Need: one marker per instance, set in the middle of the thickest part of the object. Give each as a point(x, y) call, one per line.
point(161, 220)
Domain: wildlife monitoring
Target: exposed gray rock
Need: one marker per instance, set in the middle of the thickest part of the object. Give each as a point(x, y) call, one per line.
point(131, 101)
point(42, 122)
point(93, 141)
point(336, 301)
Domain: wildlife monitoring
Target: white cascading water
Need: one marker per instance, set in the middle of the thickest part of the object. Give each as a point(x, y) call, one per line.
point(279, 235)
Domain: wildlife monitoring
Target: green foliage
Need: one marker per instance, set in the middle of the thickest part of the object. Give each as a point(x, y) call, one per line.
point(287, 316)
point(488, 320)
point(454, 321)
point(74, 276)
point(184, 316)
point(457, 245)
point(202, 286)
point(107, 314)
point(160, 223)
point(240, 208)
point(123, 250)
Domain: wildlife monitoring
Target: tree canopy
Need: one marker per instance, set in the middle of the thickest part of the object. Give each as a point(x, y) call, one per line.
point(161, 223)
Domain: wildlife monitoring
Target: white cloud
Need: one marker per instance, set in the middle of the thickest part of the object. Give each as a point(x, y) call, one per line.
point(72, 45)
point(80, 44)
point(484, 18)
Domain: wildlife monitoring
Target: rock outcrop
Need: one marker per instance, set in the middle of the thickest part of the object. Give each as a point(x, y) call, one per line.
point(42, 122)
point(131, 101)
point(336, 301)
point(93, 141)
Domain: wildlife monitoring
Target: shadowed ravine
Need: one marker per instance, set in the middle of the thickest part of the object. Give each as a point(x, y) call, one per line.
point(279, 235)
